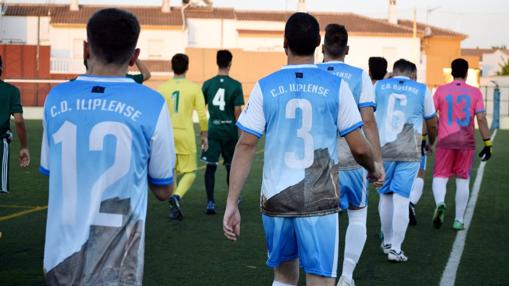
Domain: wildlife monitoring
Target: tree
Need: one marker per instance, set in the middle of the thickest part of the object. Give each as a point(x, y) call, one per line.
point(504, 68)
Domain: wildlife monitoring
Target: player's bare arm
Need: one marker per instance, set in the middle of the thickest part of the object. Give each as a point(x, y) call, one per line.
point(241, 166)
point(144, 70)
point(24, 154)
point(482, 122)
point(363, 154)
point(431, 127)
point(371, 131)
point(236, 112)
point(162, 193)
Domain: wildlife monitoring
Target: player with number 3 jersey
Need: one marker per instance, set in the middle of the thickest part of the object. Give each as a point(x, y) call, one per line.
point(457, 104)
point(105, 139)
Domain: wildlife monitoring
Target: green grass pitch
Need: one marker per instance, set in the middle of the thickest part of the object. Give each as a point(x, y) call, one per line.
point(195, 252)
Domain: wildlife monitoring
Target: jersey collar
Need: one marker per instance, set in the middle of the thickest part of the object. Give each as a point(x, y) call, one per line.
point(299, 66)
point(96, 78)
point(401, 76)
point(333, 62)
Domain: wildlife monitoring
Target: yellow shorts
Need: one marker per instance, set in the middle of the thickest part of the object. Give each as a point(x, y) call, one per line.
point(186, 163)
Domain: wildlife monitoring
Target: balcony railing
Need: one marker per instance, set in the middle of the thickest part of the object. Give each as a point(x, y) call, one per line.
point(67, 66)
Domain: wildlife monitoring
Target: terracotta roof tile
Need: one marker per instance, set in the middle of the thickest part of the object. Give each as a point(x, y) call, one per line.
point(435, 31)
point(480, 52)
point(210, 13)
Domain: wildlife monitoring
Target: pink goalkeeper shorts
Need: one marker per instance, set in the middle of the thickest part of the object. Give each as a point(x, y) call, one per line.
point(453, 162)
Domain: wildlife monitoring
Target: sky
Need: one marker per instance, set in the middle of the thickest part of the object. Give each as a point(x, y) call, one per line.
point(486, 22)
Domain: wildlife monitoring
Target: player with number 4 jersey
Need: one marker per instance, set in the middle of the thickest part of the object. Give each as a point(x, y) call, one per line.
point(457, 104)
point(224, 98)
point(105, 140)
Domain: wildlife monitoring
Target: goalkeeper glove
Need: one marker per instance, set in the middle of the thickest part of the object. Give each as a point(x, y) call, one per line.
point(485, 153)
point(424, 144)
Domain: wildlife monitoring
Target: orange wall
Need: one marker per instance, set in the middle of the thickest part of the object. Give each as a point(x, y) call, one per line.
point(440, 51)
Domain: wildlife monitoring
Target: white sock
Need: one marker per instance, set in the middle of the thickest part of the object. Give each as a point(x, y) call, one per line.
point(385, 210)
point(416, 193)
point(277, 283)
point(439, 188)
point(354, 241)
point(462, 192)
point(399, 221)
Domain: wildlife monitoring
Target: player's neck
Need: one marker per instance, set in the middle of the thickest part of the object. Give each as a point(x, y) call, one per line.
point(459, 78)
point(327, 58)
point(223, 72)
point(301, 60)
point(99, 69)
point(180, 76)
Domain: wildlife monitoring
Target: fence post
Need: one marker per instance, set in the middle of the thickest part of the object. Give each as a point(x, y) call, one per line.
point(495, 124)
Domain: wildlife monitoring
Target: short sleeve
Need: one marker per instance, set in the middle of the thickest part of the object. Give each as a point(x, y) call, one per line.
point(45, 153)
point(436, 99)
point(162, 151)
point(15, 101)
point(239, 96)
point(204, 90)
point(349, 118)
point(479, 103)
point(252, 119)
point(429, 106)
point(367, 98)
point(136, 77)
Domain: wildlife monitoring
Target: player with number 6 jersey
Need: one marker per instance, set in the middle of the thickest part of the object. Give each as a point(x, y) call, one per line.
point(224, 98)
point(105, 139)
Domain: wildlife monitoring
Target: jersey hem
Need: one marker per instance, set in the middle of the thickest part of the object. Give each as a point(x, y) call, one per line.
point(248, 130)
point(161, 182)
point(43, 171)
point(367, 104)
point(307, 214)
point(351, 129)
point(431, 116)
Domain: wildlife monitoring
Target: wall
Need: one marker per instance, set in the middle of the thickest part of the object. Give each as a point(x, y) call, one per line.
point(440, 52)
point(24, 30)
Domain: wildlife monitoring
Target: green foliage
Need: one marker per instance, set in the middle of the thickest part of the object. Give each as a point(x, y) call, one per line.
point(504, 69)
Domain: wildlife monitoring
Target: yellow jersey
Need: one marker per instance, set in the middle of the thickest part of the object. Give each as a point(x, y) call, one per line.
point(182, 98)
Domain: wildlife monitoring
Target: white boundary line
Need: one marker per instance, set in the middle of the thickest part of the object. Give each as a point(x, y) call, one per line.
point(449, 275)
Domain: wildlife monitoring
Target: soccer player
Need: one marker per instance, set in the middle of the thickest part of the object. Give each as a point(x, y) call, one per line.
point(144, 74)
point(10, 105)
point(402, 105)
point(183, 97)
point(377, 68)
point(224, 98)
point(105, 140)
point(457, 103)
point(301, 109)
point(352, 177)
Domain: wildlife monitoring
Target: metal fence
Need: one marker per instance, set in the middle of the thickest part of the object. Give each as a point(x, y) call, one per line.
point(489, 92)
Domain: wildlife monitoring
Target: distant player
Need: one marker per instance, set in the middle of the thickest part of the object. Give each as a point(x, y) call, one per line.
point(457, 104)
point(106, 139)
point(402, 105)
point(352, 177)
point(301, 109)
point(183, 97)
point(224, 98)
point(144, 74)
point(377, 68)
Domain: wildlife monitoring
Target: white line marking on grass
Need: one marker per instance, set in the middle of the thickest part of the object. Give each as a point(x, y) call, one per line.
point(449, 275)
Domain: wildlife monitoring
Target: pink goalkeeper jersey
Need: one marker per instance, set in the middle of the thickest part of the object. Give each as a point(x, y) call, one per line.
point(457, 103)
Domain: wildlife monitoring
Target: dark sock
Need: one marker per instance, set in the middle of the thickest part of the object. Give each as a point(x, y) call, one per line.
point(210, 178)
point(228, 167)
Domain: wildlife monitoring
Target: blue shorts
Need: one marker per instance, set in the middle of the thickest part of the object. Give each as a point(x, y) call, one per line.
point(353, 188)
point(424, 158)
point(314, 240)
point(399, 177)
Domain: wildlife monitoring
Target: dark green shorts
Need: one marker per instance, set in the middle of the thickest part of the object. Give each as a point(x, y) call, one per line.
point(224, 146)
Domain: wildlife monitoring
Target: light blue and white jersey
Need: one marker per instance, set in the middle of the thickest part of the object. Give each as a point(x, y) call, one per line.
point(364, 94)
point(104, 140)
point(301, 109)
point(402, 106)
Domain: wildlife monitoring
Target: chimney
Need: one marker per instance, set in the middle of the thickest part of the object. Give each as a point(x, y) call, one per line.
point(74, 5)
point(165, 7)
point(393, 17)
point(302, 6)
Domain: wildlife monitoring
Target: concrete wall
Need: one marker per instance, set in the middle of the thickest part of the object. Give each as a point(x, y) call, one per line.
point(440, 51)
point(24, 30)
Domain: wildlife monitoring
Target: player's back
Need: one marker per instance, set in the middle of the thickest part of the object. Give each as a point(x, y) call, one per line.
point(402, 105)
point(181, 95)
point(301, 107)
point(9, 96)
point(457, 103)
point(350, 74)
point(96, 149)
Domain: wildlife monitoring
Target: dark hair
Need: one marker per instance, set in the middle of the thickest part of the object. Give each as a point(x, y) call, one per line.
point(403, 66)
point(459, 68)
point(377, 67)
point(336, 40)
point(112, 35)
point(302, 33)
point(223, 58)
point(179, 63)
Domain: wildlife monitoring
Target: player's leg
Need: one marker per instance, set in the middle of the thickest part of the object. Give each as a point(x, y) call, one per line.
point(282, 249)
point(404, 177)
point(187, 167)
point(443, 169)
point(318, 243)
point(416, 193)
point(211, 158)
point(4, 167)
point(386, 207)
point(353, 185)
point(462, 170)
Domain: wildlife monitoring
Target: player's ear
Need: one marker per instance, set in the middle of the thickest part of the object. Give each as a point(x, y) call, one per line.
point(323, 49)
point(135, 56)
point(347, 49)
point(319, 40)
point(285, 46)
point(86, 51)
